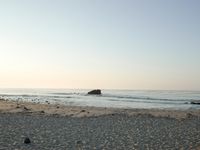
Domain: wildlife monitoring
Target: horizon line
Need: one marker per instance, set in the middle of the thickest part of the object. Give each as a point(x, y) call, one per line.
point(123, 89)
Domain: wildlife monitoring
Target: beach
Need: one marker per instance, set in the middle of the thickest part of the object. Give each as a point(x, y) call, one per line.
point(99, 75)
point(51, 126)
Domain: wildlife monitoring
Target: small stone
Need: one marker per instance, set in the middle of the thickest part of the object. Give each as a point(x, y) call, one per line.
point(79, 143)
point(47, 102)
point(189, 115)
point(25, 108)
point(17, 106)
point(27, 140)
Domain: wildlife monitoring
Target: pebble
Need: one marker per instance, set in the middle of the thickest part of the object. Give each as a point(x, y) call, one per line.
point(79, 142)
point(27, 140)
point(42, 111)
point(25, 108)
point(100, 132)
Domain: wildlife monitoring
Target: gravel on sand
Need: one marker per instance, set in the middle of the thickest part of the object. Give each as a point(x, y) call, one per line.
point(114, 131)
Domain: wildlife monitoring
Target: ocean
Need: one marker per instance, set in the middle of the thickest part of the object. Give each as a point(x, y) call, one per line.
point(142, 99)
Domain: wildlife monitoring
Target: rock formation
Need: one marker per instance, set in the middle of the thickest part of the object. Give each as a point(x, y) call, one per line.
point(95, 92)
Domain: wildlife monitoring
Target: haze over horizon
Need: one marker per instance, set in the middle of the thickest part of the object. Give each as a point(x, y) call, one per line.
point(108, 44)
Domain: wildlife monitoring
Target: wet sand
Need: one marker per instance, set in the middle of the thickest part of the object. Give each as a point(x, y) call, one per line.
point(7, 106)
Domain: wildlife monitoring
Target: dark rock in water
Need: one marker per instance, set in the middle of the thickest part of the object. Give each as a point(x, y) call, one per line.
point(47, 102)
point(95, 92)
point(27, 140)
point(195, 102)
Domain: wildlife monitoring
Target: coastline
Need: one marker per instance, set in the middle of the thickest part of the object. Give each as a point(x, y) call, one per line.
point(7, 106)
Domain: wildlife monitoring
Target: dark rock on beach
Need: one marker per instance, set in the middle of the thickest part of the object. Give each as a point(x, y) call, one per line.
point(83, 110)
point(27, 140)
point(25, 108)
point(42, 111)
point(95, 92)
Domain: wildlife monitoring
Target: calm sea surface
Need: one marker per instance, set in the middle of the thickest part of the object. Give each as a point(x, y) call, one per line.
point(110, 98)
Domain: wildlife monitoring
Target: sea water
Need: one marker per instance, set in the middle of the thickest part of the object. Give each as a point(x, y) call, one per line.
point(144, 99)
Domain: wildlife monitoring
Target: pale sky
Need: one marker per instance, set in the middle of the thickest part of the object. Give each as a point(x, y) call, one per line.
point(109, 44)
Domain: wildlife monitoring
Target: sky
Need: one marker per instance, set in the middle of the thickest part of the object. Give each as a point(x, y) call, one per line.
point(107, 44)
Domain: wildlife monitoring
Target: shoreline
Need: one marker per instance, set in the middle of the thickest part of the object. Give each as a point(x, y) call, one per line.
point(7, 106)
point(71, 127)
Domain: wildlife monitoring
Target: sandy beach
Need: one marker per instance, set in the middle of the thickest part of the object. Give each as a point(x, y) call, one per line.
point(99, 75)
point(7, 106)
point(72, 127)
